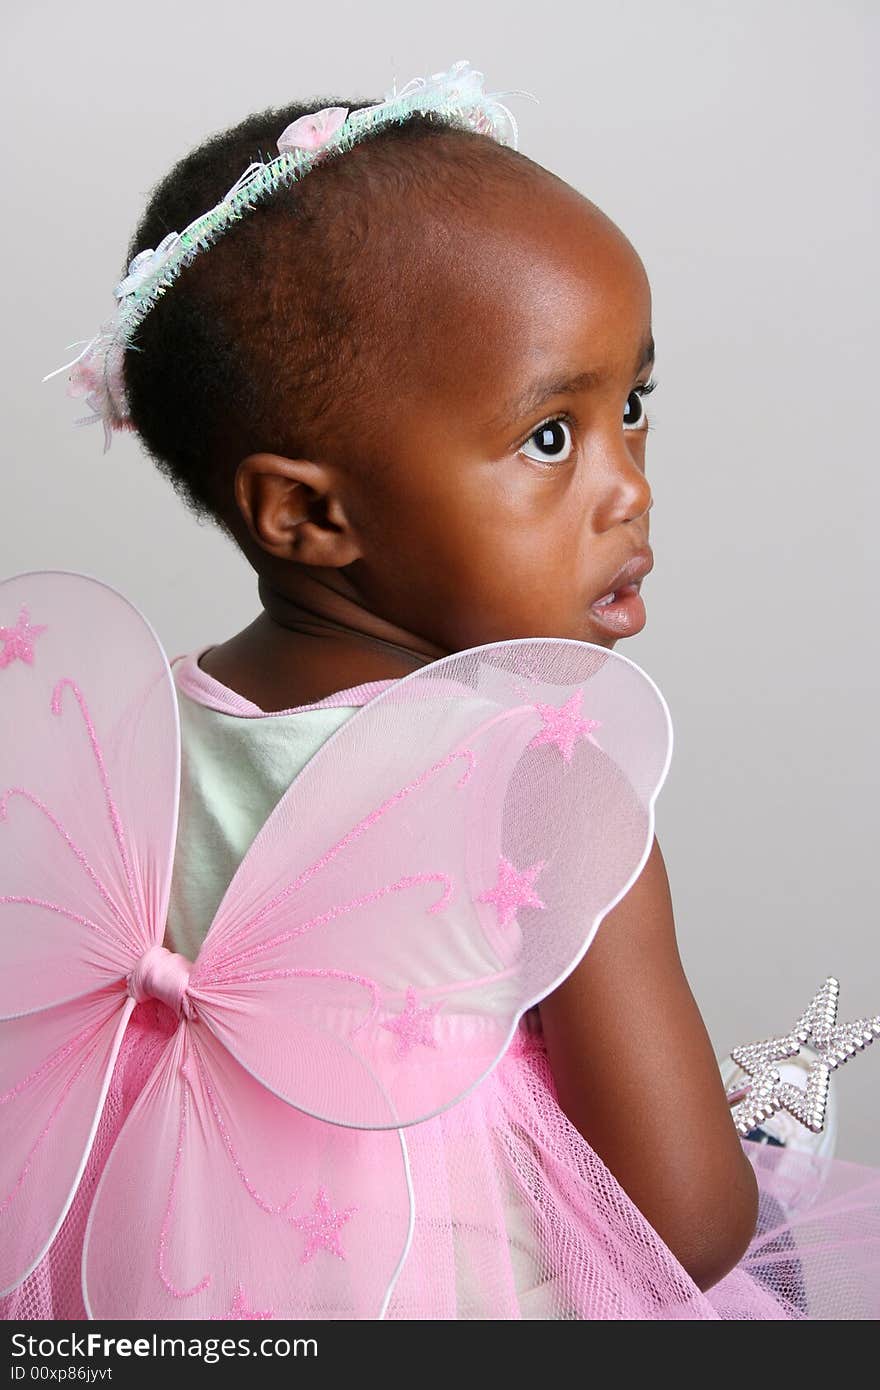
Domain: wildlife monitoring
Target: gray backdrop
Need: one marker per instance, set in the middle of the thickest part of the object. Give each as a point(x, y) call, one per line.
point(734, 145)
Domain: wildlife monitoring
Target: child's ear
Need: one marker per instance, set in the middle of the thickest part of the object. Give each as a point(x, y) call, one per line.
point(293, 508)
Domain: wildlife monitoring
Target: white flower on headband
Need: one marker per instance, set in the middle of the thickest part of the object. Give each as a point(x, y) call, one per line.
point(252, 172)
point(145, 264)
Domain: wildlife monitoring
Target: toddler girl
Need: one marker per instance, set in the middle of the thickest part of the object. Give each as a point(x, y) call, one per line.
point(411, 387)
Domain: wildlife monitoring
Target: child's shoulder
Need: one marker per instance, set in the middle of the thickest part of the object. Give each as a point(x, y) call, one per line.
point(230, 689)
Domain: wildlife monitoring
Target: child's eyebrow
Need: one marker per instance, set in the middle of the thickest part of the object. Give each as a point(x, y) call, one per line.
point(543, 390)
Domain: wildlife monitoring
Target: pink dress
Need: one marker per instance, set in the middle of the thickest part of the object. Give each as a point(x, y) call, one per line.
point(517, 1216)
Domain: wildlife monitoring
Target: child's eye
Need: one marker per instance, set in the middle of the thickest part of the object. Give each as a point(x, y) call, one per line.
point(640, 419)
point(551, 439)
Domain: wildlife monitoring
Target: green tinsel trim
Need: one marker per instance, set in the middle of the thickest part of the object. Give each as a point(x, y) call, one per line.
point(284, 170)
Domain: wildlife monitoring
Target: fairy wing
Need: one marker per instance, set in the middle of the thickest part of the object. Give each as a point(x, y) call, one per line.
point(209, 1164)
point(89, 770)
point(220, 1201)
point(367, 966)
point(439, 865)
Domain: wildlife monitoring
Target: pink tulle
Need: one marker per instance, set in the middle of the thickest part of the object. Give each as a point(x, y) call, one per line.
point(505, 1159)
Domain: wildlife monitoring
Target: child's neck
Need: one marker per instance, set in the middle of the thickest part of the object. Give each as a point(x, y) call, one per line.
point(302, 649)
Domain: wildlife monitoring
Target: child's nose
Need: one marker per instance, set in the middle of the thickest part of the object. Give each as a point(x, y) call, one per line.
point(623, 491)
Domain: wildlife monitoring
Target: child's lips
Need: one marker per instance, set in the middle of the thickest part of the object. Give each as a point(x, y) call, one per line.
point(625, 615)
point(630, 574)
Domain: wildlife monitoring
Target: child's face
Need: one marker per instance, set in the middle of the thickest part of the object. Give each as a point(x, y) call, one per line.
point(481, 526)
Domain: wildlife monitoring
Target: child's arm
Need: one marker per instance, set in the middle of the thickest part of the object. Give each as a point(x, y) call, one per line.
point(636, 1074)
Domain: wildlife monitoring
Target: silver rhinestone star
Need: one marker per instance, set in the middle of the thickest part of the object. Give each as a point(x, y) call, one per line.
point(834, 1043)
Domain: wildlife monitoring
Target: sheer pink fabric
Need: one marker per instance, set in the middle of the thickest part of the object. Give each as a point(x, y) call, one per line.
point(519, 1218)
point(340, 1109)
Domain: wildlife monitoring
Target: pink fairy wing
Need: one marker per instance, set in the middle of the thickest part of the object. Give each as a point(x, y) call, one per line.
point(220, 1201)
point(55, 1069)
point(440, 865)
point(89, 777)
point(89, 774)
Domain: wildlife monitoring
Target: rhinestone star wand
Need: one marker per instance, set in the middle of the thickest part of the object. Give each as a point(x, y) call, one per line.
point(834, 1043)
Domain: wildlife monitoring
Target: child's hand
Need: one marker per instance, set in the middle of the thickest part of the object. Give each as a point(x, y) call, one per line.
point(637, 1075)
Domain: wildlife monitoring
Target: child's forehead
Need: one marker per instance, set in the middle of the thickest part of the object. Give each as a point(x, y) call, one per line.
point(549, 282)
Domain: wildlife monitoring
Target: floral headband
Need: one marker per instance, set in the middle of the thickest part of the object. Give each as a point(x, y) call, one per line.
point(457, 95)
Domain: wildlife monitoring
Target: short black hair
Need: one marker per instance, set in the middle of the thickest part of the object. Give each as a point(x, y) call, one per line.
point(276, 337)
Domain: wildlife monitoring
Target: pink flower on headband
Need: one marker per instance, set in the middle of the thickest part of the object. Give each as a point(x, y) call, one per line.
point(97, 375)
point(86, 378)
point(313, 131)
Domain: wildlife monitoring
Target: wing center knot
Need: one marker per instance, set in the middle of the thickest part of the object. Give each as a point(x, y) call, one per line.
point(162, 974)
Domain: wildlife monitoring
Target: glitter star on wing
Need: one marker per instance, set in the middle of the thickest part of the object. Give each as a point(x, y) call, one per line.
point(833, 1043)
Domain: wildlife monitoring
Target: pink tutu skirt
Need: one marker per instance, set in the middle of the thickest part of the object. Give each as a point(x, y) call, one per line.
point(518, 1217)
